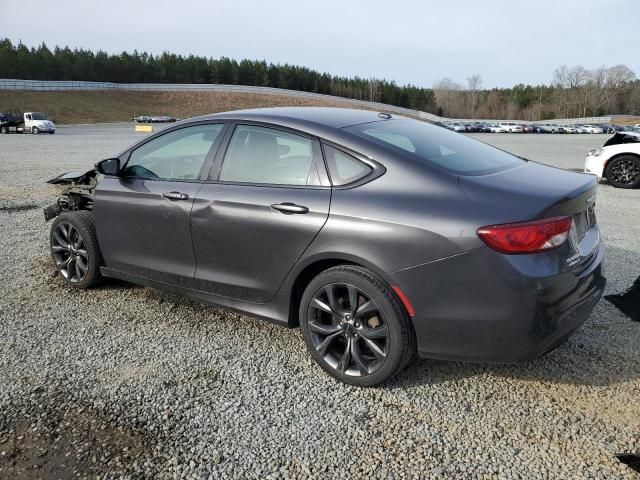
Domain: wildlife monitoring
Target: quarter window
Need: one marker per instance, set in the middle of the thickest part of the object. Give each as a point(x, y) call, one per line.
point(176, 155)
point(343, 167)
point(269, 156)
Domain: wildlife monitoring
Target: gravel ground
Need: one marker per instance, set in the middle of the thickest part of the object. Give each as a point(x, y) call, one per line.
point(127, 382)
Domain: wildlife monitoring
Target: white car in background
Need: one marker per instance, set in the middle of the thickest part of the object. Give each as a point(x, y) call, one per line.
point(495, 128)
point(570, 129)
point(592, 129)
point(457, 127)
point(618, 160)
point(511, 127)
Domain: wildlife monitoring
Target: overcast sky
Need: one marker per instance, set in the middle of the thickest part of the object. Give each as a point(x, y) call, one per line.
point(419, 42)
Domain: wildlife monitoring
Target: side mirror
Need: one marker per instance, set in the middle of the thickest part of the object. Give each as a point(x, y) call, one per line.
point(110, 166)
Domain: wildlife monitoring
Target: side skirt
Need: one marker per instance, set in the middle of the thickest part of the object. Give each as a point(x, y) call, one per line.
point(276, 311)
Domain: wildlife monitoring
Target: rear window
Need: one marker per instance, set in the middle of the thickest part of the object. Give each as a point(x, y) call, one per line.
point(437, 146)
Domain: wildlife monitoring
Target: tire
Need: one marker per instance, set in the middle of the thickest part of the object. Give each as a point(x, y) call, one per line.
point(77, 269)
point(35, 130)
point(623, 171)
point(52, 132)
point(4, 130)
point(376, 316)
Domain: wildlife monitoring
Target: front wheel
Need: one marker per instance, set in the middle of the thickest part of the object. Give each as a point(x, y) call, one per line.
point(74, 248)
point(623, 172)
point(35, 130)
point(354, 327)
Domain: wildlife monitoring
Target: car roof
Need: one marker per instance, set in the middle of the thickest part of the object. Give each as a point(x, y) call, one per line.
point(302, 116)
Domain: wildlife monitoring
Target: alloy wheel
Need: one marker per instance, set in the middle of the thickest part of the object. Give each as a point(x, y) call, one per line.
point(348, 329)
point(70, 253)
point(625, 172)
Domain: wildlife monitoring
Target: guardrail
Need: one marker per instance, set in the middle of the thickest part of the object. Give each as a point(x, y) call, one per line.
point(61, 85)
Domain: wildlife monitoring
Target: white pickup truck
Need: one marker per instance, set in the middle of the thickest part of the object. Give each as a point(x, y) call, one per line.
point(31, 122)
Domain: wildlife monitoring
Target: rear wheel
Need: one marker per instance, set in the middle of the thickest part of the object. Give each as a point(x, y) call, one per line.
point(623, 172)
point(354, 326)
point(74, 248)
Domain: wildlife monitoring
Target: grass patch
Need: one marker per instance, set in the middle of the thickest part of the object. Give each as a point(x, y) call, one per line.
point(119, 106)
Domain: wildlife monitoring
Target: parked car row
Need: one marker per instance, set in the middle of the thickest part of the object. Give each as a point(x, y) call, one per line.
point(154, 119)
point(512, 127)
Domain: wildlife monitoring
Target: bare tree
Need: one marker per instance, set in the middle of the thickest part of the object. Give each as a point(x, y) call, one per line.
point(616, 77)
point(474, 83)
point(447, 93)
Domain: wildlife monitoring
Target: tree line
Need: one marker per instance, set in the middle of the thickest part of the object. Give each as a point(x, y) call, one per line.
point(574, 91)
point(41, 63)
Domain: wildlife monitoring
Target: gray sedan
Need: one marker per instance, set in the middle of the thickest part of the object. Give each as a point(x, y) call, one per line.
point(380, 237)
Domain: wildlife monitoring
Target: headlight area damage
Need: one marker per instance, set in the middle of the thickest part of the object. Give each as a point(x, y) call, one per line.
point(76, 192)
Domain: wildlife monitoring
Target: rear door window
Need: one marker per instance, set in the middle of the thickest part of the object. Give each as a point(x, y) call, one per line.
point(436, 146)
point(268, 156)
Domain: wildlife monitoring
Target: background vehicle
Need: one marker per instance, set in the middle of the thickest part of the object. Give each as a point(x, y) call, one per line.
point(263, 211)
point(570, 129)
point(495, 128)
point(11, 120)
point(511, 127)
point(457, 127)
point(37, 122)
point(142, 119)
point(555, 128)
point(31, 122)
point(618, 160)
point(592, 129)
point(162, 119)
point(527, 128)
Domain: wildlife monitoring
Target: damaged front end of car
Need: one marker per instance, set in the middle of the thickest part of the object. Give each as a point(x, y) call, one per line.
point(76, 189)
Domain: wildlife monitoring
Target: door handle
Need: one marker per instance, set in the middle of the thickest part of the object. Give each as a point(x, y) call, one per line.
point(173, 196)
point(290, 208)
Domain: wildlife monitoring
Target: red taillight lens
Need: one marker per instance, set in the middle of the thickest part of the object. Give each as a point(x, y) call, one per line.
point(527, 237)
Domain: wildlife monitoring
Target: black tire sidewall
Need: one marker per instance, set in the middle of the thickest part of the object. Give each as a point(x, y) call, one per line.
point(610, 165)
point(393, 313)
point(83, 223)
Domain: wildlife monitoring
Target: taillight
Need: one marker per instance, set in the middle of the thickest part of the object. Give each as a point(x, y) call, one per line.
point(527, 237)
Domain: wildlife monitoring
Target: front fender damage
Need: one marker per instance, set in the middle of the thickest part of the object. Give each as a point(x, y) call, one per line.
point(76, 189)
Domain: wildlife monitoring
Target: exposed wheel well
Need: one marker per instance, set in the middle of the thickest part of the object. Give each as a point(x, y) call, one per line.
point(304, 278)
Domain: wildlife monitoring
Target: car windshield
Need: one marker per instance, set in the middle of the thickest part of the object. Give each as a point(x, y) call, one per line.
point(38, 116)
point(443, 149)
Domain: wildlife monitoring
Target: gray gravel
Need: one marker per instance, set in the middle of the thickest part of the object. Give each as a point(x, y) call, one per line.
point(128, 382)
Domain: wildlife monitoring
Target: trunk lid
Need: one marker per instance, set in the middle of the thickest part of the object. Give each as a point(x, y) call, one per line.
point(532, 191)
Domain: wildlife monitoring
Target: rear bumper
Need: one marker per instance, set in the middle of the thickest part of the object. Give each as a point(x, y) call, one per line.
point(481, 306)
